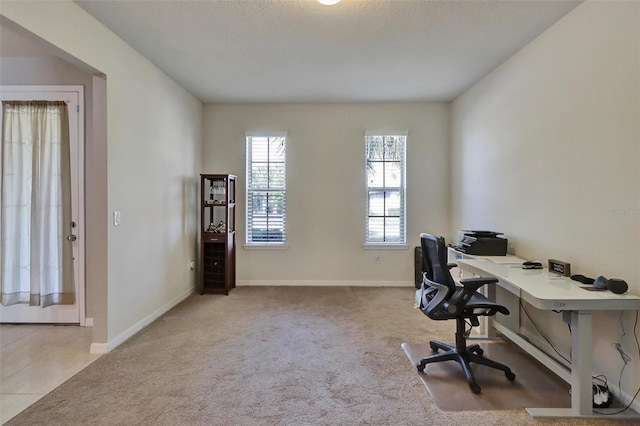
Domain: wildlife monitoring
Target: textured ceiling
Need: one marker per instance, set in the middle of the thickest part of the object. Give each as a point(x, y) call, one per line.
point(302, 51)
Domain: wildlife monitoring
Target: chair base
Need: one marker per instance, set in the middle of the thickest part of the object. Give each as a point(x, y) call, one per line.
point(464, 355)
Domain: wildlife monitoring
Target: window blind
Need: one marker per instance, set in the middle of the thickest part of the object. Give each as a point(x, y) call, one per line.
point(386, 189)
point(266, 188)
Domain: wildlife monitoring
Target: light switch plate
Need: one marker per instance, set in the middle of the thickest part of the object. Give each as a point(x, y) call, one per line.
point(116, 218)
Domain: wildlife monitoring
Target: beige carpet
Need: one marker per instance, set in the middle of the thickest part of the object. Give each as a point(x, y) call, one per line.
point(535, 386)
point(267, 356)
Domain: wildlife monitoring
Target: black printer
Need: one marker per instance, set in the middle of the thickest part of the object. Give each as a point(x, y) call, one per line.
point(482, 243)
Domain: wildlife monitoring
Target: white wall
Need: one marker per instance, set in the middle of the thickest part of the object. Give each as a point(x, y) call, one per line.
point(325, 187)
point(153, 151)
point(48, 70)
point(547, 150)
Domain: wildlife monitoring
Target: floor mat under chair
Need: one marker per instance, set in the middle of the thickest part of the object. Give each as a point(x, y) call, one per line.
point(535, 386)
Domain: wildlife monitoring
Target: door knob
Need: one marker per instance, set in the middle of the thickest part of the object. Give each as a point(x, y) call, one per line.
point(72, 237)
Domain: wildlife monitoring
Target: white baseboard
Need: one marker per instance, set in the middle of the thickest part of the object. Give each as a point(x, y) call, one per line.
point(319, 283)
point(103, 348)
point(98, 348)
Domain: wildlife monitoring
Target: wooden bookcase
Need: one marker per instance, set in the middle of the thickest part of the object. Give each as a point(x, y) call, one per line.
point(217, 233)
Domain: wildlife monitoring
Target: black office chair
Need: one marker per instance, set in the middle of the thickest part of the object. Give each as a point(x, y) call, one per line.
point(442, 299)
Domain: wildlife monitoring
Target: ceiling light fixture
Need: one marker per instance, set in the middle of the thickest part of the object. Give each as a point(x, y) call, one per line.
point(328, 2)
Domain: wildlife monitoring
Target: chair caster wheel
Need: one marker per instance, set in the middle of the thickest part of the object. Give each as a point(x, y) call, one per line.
point(420, 366)
point(474, 388)
point(479, 351)
point(510, 376)
point(433, 347)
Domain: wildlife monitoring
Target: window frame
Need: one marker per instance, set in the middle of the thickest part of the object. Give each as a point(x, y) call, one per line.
point(251, 190)
point(401, 243)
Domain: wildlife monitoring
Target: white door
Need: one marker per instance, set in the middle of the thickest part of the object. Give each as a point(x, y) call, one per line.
point(69, 314)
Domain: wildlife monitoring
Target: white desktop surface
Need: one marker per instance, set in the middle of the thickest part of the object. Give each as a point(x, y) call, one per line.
point(546, 291)
point(549, 292)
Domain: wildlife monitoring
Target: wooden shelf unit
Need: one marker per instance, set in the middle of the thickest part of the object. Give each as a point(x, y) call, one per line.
point(217, 233)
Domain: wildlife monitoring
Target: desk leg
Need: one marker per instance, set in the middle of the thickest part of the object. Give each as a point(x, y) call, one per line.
point(581, 370)
point(581, 363)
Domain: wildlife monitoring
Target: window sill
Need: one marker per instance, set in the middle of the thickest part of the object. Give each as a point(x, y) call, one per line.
point(385, 246)
point(265, 246)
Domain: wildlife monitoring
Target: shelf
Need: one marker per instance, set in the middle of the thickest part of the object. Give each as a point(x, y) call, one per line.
point(217, 249)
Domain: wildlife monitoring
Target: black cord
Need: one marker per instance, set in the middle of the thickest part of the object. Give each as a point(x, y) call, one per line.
point(626, 359)
point(468, 332)
point(622, 410)
point(541, 334)
point(602, 378)
point(635, 334)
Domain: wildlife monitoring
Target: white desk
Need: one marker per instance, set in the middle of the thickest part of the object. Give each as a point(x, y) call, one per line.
point(536, 287)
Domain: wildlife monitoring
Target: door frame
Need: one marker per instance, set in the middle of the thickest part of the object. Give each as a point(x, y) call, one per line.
point(62, 92)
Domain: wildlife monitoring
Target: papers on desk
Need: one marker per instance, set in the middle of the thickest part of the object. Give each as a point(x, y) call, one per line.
point(504, 260)
point(553, 276)
point(591, 288)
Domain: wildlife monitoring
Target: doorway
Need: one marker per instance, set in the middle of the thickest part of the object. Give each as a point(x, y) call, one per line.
point(73, 313)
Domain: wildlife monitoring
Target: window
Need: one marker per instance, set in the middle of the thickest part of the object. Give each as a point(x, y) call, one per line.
point(266, 189)
point(385, 171)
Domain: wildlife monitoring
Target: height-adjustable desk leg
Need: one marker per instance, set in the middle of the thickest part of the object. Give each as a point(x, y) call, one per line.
point(581, 380)
point(581, 363)
point(581, 370)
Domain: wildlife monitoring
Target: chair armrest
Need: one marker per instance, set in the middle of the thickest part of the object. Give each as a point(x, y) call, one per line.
point(476, 283)
point(469, 288)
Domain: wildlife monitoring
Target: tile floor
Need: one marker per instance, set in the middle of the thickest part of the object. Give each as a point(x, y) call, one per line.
point(35, 359)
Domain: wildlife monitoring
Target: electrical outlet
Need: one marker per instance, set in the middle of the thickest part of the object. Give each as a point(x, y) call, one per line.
point(116, 218)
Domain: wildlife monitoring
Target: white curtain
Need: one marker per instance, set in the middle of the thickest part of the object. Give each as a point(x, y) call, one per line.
point(35, 257)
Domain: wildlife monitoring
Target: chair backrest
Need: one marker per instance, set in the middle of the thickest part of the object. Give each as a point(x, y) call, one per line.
point(434, 252)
